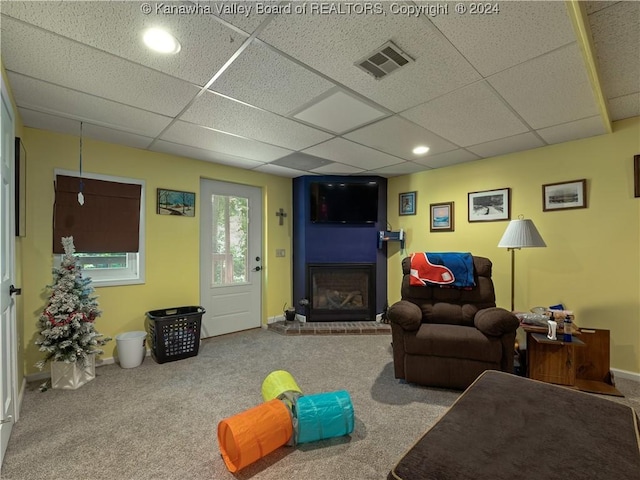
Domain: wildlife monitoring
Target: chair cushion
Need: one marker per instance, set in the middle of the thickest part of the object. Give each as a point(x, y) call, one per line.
point(453, 341)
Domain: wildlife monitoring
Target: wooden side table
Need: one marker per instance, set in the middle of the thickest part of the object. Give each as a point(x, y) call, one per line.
point(553, 361)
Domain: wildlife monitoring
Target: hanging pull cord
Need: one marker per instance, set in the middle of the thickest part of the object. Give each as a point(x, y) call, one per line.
point(80, 194)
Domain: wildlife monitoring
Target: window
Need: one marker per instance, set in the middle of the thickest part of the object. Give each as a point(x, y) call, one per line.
point(105, 268)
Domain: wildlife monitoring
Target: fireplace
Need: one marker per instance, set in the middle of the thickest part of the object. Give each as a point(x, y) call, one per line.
point(339, 292)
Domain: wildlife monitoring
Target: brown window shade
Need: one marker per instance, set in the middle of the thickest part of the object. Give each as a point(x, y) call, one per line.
point(108, 222)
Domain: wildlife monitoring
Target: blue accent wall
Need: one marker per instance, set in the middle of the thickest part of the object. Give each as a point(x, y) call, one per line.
point(336, 243)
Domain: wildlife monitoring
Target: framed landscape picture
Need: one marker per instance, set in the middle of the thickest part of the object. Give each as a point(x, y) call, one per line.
point(408, 203)
point(441, 217)
point(173, 202)
point(636, 176)
point(564, 195)
point(490, 205)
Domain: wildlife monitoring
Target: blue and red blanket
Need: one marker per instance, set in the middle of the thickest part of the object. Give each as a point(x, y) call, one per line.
point(442, 269)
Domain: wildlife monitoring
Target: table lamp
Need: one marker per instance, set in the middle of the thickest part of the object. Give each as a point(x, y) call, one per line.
point(519, 234)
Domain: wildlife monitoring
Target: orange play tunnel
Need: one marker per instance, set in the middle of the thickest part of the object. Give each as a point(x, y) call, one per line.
point(254, 433)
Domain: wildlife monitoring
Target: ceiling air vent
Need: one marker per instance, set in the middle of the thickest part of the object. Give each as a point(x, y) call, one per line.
point(384, 60)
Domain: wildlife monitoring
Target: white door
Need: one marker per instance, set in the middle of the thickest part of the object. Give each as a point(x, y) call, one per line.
point(8, 370)
point(230, 257)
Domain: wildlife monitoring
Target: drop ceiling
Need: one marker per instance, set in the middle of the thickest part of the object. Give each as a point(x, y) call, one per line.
point(283, 94)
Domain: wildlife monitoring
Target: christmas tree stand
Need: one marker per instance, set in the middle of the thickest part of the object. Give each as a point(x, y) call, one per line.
point(70, 376)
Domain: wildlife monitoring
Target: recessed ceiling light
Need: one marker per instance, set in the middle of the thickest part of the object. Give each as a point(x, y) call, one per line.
point(420, 150)
point(161, 41)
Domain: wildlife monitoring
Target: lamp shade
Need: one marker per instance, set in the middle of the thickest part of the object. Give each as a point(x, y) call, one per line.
point(521, 233)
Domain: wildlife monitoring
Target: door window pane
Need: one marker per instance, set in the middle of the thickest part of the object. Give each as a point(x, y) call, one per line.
point(230, 225)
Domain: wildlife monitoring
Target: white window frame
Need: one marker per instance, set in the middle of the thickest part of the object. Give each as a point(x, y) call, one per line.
point(134, 274)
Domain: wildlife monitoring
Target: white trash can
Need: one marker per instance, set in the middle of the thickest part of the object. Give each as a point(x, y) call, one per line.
point(131, 349)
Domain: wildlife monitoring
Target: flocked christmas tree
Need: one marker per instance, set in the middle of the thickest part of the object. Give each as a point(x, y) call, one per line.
point(66, 326)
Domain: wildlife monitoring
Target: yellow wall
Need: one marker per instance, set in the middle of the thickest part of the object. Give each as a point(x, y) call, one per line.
point(172, 243)
point(592, 260)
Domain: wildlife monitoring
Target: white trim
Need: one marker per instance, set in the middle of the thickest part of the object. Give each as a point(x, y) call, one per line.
point(617, 373)
point(136, 274)
point(100, 362)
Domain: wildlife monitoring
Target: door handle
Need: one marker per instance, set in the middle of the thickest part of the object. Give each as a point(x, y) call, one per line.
point(6, 420)
point(257, 269)
point(12, 290)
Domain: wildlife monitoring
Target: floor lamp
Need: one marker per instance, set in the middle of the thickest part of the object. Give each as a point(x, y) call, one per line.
point(519, 234)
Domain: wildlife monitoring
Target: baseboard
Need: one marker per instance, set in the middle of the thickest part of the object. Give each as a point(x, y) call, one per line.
point(46, 374)
point(274, 319)
point(625, 374)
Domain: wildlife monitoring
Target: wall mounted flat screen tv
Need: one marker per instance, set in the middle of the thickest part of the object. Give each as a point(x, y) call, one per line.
point(343, 202)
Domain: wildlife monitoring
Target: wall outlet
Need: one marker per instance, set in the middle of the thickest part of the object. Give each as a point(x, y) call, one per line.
point(280, 252)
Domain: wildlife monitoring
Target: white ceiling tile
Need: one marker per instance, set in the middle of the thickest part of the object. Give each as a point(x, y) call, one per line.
point(398, 136)
point(332, 44)
point(468, 116)
point(279, 171)
point(203, 154)
point(117, 27)
point(255, 75)
point(624, 107)
point(246, 15)
point(447, 159)
point(550, 89)
point(349, 153)
point(616, 37)
point(587, 127)
point(594, 6)
point(339, 112)
point(49, 98)
point(337, 169)
point(301, 161)
point(513, 30)
point(218, 112)
point(117, 137)
point(502, 146)
point(59, 61)
point(405, 168)
point(201, 137)
point(45, 121)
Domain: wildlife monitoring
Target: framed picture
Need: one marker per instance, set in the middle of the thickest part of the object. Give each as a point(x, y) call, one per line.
point(564, 195)
point(490, 205)
point(636, 175)
point(21, 188)
point(173, 202)
point(408, 203)
point(442, 217)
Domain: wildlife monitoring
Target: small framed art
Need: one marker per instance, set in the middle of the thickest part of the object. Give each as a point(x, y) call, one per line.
point(636, 176)
point(441, 217)
point(408, 203)
point(490, 205)
point(173, 202)
point(564, 195)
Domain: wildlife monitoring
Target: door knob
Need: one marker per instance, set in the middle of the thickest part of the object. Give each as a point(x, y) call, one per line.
point(257, 269)
point(15, 290)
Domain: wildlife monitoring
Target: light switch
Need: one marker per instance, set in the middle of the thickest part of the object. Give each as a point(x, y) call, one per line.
point(279, 252)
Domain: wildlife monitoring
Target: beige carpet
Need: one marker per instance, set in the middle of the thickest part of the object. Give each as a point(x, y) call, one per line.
point(159, 421)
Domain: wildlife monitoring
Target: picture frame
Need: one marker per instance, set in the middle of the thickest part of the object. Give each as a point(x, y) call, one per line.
point(20, 188)
point(636, 176)
point(407, 203)
point(441, 217)
point(490, 205)
point(564, 195)
point(176, 202)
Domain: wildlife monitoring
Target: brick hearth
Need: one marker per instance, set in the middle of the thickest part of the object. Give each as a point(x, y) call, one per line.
point(329, 328)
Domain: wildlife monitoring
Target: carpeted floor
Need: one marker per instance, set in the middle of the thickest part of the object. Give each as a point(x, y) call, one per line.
point(159, 421)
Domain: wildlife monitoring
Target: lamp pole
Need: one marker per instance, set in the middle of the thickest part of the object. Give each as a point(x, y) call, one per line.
point(513, 276)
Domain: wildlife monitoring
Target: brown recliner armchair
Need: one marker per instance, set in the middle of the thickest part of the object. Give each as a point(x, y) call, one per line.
point(446, 337)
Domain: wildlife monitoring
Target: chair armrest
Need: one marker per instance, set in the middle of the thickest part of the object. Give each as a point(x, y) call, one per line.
point(495, 321)
point(405, 314)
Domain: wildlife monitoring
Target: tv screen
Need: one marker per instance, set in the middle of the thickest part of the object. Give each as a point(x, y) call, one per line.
point(342, 202)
